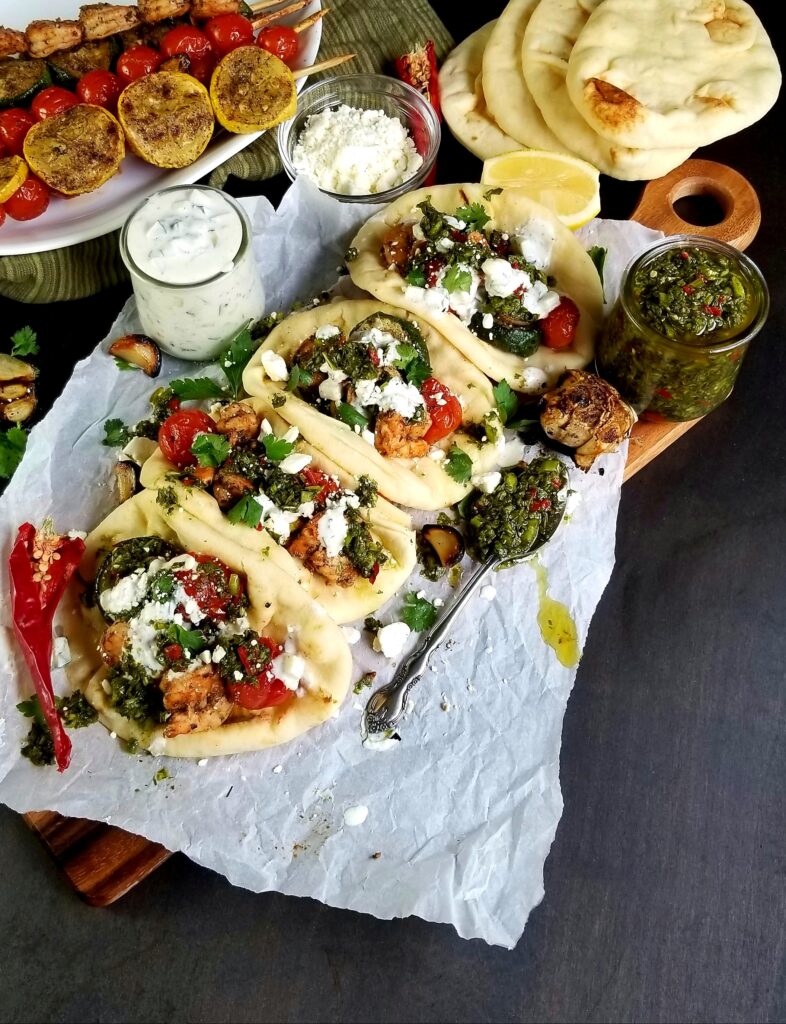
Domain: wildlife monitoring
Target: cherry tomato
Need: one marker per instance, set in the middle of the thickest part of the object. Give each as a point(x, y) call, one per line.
point(280, 40)
point(52, 101)
point(213, 585)
point(99, 88)
point(15, 123)
point(2, 215)
point(268, 690)
point(559, 327)
point(186, 39)
point(136, 62)
point(316, 478)
point(177, 433)
point(444, 409)
point(201, 68)
point(228, 31)
point(172, 652)
point(29, 201)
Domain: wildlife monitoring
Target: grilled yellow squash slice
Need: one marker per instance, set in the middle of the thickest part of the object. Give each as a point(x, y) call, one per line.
point(252, 90)
point(76, 151)
point(13, 171)
point(167, 118)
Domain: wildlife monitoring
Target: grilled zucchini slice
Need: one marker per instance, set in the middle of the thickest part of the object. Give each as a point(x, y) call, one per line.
point(252, 90)
point(20, 80)
point(167, 118)
point(13, 171)
point(68, 67)
point(76, 151)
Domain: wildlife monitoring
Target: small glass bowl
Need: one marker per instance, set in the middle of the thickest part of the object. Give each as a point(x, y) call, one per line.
point(368, 92)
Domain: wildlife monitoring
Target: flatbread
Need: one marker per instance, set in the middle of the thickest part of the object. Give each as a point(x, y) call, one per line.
point(686, 72)
point(508, 99)
point(418, 483)
point(463, 102)
point(548, 40)
point(276, 603)
point(389, 525)
point(573, 269)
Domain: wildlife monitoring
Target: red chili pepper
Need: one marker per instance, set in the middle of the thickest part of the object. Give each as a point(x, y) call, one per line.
point(418, 68)
point(40, 565)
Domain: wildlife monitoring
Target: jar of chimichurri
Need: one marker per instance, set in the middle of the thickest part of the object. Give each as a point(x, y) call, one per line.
point(675, 339)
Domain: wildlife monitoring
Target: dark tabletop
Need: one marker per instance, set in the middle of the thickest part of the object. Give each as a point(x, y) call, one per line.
point(666, 885)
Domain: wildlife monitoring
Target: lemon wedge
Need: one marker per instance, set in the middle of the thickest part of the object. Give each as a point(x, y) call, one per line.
point(567, 186)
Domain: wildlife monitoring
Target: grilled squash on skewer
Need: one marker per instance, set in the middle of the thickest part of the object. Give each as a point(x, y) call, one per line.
point(252, 90)
point(76, 151)
point(167, 118)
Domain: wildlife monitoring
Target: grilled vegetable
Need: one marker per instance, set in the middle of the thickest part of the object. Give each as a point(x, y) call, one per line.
point(167, 118)
point(403, 330)
point(20, 80)
point(68, 67)
point(179, 62)
point(20, 409)
point(127, 479)
point(13, 171)
point(446, 542)
point(17, 391)
point(139, 350)
point(76, 151)
point(252, 90)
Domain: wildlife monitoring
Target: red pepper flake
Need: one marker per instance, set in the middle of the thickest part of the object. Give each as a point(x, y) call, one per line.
point(173, 652)
point(374, 573)
point(663, 393)
point(542, 505)
point(684, 255)
point(688, 289)
point(373, 355)
point(40, 565)
point(713, 310)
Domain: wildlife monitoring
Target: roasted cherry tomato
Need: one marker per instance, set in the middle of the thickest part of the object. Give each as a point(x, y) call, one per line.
point(29, 201)
point(444, 409)
point(268, 690)
point(136, 62)
point(177, 433)
point(172, 652)
point(280, 40)
point(186, 39)
point(99, 88)
point(52, 101)
point(15, 123)
point(213, 585)
point(228, 31)
point(316, 478)
point(559, 327)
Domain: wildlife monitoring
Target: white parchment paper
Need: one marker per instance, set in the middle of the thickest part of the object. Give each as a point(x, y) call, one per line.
point(463, 811)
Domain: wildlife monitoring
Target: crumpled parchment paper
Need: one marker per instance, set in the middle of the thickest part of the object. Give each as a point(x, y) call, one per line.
point(462, 812)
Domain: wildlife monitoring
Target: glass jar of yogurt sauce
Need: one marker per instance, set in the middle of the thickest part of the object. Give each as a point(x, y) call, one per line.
point(188, 250)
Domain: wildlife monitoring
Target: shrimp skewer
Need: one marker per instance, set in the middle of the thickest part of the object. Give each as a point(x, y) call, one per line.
point(12, 42)
point(44, 38)
point(99, 21)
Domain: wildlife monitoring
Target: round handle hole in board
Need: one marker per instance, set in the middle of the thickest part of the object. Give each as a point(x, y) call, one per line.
point(702, 209)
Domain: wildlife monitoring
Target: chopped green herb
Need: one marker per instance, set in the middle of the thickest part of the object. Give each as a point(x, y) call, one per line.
point(38, 746)
point(211, 449)
point(455, 574)
point(521, 424)
point(492, 426)
point(167, 499)
point(234, 358)
point(371, 624)
point(598, 256)
point(296, 375)
point(366, 490)
point(457, 279)
point(12, 447)
point(116, 434)
point(351, 254)
point(458, 465)
point(76, 711)
point(364, 682)
point(192, 640)
point(278, 400)
point(132, 746)
point(161, 776)
point(416, 276)
point(277, 448)
point(418, 613)
point(350, 415)
point(123, 364)
point(506, 400)
point(246, 511)
point(474, 215)
point(492, 192)
point(24, 342)
point(197, 389)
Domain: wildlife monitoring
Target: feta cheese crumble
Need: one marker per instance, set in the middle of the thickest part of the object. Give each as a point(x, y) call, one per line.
point(274, 365)
point(390, 639)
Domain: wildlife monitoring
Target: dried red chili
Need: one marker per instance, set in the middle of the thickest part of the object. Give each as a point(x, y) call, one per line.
point(40, 565)
point(418, 68)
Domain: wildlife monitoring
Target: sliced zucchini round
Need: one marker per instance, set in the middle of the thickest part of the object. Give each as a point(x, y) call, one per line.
point(20, 80)
point(13, 171)
point(167, 118)
point(252, 90)
point(404, 331)
point(76, 151)
point(70, 65)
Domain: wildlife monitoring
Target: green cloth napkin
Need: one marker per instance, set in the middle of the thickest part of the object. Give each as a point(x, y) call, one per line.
point(377, 31)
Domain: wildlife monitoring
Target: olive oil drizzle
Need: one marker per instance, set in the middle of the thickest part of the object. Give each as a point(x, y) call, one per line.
point(555, 621)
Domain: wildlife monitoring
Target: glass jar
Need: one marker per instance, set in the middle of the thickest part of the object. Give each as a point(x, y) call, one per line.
point(675, 373)
point(188, 250)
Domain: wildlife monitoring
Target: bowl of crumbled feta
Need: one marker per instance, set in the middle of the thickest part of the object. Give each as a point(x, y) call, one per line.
point(361, 138)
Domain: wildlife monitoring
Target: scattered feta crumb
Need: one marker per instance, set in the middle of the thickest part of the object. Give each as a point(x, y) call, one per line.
point(294, 463)
point(278, 769)
point(61, 652)
point(354, 816)
point(488, 593)
point(274, 365)
point(351, 634)
point(77, 534)
point(438, 602)
point(113, 735)
point(533, 379)
point(487, 482)
point(445, 703)
point(201, 762)
point(326, 332)
point(391, 639)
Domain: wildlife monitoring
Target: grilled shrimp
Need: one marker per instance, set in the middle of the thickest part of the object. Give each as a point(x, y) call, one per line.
point(307, 546)
point(397, 246)
point(47, 37)
point(213, 8)
point(197, 701)
point(238, 422)
point(11, 42)
point(229, 488)
point(400, 439)
point(151, 11)
point(102, 20)
point(112, 642)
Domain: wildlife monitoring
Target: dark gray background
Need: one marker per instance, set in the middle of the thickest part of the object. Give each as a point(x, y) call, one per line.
point(666, 884)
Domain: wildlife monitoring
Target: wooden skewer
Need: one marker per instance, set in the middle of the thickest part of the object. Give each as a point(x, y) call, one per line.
point(323, 65)
point(312, 19)
point(264, 5)
point(268, 19)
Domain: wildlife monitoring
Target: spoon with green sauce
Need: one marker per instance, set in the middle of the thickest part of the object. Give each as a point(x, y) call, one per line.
point(504, 528)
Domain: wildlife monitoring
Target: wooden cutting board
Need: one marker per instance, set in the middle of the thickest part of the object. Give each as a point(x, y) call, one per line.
point(102, 862)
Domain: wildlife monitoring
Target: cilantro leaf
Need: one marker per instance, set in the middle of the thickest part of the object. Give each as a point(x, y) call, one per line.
point(417, 372)
point(521, 424)
point(210, 449)
point(32, 709)
point(12, 447)
point(457, 279)
point(24, 342)
point(416, 276)
point(277, 448)
point(418, 613)
point(197, 388)
point(492, 192)
point(507, 403)
point(123, 364)
point(246, 511)
point(349, 414)
point(473, 215)
point(234, 358)
point(458, 465)
point(75, 711)
point(116, 434)
point(598, 256)
point(192, 640)
point(295, 377)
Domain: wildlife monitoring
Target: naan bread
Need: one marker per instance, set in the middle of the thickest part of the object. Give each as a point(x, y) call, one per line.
point(389, 525)
point(463, 102)
point(548, 40)
point(510, 209)
point(508, 99)
point(648, 73)
point(418, 483)
point(276, 603)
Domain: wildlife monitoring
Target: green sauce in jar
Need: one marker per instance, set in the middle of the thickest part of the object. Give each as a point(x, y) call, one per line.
point(675, 339)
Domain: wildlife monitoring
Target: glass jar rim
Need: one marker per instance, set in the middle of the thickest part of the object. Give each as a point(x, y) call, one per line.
point(750, 270)
point(134, 268)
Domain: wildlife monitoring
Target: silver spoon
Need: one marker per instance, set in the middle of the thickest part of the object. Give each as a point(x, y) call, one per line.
point(387, 704)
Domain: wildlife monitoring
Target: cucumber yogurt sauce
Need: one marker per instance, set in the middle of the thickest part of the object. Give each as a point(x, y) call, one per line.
point(188, 250)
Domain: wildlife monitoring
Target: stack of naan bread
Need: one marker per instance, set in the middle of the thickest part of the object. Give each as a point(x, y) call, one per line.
point(631, 86)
